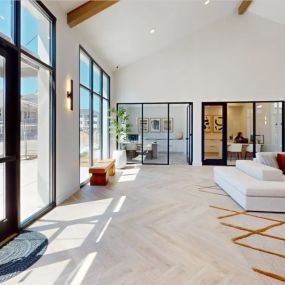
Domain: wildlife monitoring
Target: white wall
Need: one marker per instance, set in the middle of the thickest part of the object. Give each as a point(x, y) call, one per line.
point(67, 122)
point(238, 58)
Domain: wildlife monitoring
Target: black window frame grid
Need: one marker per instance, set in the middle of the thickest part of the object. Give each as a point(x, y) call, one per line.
point(91, 93)
point(15, 51)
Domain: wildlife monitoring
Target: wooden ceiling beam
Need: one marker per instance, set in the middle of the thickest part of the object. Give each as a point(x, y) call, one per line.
point(87, 10)
point(243, 6)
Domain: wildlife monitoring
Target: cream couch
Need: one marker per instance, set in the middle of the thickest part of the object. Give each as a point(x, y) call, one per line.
point(253, 185)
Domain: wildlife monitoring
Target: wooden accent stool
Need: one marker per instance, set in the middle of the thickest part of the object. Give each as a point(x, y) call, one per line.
point(101, 170)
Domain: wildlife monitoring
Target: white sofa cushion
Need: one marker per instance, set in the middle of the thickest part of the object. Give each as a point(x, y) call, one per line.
point(259, 171)
point(248, 185)
point(267, 158)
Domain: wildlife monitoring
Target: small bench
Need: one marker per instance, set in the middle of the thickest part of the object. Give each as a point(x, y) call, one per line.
point(101, 171)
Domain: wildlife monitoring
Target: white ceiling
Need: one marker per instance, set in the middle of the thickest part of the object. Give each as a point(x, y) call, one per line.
point(273, 10)
point(120, 34)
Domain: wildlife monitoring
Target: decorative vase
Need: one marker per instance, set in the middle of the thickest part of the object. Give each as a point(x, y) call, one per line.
point(121, 158)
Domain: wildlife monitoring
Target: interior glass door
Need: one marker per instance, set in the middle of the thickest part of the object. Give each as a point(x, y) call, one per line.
point(268, 117)
point(155, 134)
point(214, 143)
point(189, 135)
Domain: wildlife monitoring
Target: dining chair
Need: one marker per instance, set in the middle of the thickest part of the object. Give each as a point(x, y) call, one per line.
point(235, 148)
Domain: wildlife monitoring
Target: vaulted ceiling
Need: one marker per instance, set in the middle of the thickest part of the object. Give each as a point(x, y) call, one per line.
point(121, 33)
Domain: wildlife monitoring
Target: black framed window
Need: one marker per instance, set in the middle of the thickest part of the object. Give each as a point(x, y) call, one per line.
point(27, 43)
point(93, 114)
point(7, 17)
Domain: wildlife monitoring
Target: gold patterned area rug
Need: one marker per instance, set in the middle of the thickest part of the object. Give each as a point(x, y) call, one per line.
point(233, 219)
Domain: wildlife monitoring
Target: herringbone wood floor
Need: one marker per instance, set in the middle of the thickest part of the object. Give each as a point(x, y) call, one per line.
point(151, 225)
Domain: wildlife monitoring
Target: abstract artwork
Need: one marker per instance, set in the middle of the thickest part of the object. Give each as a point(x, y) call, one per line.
point(155, 125)
point(208, 124)
point(165, 125)
point(218, 124)
point(143, 125)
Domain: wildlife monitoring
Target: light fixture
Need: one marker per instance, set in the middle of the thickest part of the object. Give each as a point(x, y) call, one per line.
point(69, 94)
point(152, 31)
point(207, 2)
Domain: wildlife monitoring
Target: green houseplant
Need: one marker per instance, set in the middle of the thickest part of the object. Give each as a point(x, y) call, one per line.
point(120, 126)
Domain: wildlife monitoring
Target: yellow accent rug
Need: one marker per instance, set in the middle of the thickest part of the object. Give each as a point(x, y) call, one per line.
point(250, 232)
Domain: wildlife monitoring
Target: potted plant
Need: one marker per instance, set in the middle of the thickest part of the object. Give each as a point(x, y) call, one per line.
point(120, 126)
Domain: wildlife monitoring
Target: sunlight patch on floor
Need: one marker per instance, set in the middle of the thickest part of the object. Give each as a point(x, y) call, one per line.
point(129, 175)
point(119, 204)
point(84, 267)
point(104, 230)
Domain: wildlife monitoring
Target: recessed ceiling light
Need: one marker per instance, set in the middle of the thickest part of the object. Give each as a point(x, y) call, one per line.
point(152, 31)
point(207, 2)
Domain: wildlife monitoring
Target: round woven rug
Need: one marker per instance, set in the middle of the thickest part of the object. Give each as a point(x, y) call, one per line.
point(20, 253)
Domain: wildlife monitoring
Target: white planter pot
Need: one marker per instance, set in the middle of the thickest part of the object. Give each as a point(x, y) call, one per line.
point(121, 158)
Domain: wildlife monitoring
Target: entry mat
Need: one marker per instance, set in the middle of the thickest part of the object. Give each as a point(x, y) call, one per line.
point(20, 253)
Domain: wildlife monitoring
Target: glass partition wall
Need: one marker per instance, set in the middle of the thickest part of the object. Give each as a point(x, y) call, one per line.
point(160, 133)
point(93, 114)
point(239, 132)
point(248, 128)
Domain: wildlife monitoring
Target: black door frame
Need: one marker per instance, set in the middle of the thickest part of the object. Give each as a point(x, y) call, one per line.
point(254, 103)
point(189, 119)
point(11, 143)
point(223, 160)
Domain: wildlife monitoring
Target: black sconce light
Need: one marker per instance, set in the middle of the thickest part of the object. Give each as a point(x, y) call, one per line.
point(70, 96)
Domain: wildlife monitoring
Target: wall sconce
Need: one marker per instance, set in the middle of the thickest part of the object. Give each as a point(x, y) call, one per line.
point(70, 96)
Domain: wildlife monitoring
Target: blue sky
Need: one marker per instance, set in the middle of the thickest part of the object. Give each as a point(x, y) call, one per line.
point(29, 32)
point(85, 80)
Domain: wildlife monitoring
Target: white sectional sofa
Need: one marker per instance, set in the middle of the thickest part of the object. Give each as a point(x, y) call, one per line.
point(253, 185)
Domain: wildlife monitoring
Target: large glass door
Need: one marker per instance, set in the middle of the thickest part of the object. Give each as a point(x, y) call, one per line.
point(214, 133)
point(269, 120)
point(155, 134)
point(8, 202)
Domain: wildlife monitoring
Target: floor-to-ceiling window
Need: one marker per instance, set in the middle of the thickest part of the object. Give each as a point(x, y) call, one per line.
point(36, 138)
point(93, 113)
point(27, 113)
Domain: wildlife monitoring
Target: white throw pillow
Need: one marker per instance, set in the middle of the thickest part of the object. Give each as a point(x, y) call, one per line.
point(267, 158)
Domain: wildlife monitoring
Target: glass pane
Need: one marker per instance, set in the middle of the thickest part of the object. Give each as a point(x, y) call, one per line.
point(132, 142)
point(213, 132)
point(155, 134)
point(269, 127)
point(85, 70)
point(105, 86)
point(96, 128)
point(178, 133)
point(2, 90)
point(105, 129)
point(35, 138)
point(6, 19)
point(96, 79)
point(35, 31)
point(84, 134)
point(239, 132)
